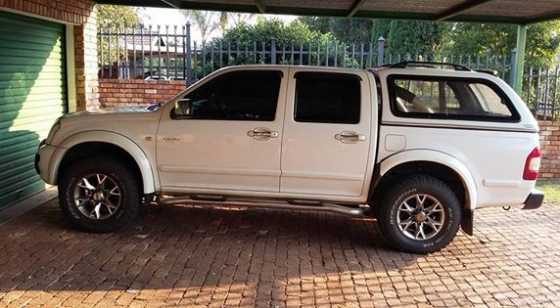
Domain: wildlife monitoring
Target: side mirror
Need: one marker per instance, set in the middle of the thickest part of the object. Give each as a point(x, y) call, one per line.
point(184, 107)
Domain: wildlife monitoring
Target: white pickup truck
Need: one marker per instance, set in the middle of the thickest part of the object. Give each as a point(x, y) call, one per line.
point(418, 146)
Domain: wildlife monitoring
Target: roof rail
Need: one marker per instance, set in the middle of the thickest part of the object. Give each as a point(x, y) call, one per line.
point(405, 64)
point(488, 71)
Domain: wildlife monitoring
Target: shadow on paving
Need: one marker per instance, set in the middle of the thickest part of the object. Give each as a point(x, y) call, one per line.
point(182, 239)
point(201, 255)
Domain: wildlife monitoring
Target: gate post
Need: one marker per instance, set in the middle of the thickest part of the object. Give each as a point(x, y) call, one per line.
point(187, 63)
point(519, 59)
point(273, 51)
point(513, 71)
point(380, 51)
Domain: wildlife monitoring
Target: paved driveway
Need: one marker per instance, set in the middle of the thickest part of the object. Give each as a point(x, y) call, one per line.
point(183, 256)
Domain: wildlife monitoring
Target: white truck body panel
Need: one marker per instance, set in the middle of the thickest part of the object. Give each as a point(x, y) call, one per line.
point(492, 154)
point(218, 155)
point(199, 156)
point(314, 162)
point(134, 132)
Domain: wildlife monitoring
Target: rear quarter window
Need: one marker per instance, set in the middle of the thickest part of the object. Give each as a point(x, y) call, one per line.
point(449, 98)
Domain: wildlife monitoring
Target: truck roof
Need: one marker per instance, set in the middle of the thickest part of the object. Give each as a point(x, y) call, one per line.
point(406, 67)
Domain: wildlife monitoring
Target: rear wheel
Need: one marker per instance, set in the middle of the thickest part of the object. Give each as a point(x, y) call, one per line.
point(99, 195)
point(421, 214)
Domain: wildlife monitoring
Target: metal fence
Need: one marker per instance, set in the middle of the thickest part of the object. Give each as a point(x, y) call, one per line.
point(145, 52)
point(168, 53)
point(541, 92)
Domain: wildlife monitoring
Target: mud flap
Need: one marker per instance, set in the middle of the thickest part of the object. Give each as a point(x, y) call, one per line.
point(467, 223)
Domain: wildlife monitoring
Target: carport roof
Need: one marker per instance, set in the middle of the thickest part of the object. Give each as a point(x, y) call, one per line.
point(507, 11)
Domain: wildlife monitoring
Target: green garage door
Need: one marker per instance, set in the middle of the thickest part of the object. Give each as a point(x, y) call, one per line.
point(32, 97)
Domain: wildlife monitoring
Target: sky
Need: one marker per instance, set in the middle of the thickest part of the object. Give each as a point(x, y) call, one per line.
point(171, 17)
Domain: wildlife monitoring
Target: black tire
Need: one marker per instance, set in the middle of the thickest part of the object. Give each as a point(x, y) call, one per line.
point(405, 190)
point(120, 174)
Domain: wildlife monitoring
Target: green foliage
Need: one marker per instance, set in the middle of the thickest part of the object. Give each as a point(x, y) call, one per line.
point(348, 30)
point(264, 30)
point(114, 18)
point(478, 39)
point(402, 36)
point(412, 36)
point(424, 37)
point(117, 16)
point(551, 190)
point(206, 22)
point(247, 38)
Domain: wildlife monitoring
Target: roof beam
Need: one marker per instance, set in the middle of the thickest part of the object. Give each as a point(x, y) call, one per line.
point(459, 9)
point(548, 16)
point(172, 3)
point(355, 7)
point(364, 12)
point(260, 6)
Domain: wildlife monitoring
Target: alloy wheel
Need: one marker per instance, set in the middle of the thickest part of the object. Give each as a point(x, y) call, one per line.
point(420, 217)
point(97, 196)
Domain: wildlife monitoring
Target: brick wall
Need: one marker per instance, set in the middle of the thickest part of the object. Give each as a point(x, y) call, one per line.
point(550, 145)
point(115, 92)
point(69, 11)
point(85, 53)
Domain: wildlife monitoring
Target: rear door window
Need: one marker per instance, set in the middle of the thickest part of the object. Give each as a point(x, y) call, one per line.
point(327, 98)
point(449, 98)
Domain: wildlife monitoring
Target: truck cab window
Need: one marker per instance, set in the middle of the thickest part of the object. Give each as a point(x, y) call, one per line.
point(327, 98)
point(238, 96)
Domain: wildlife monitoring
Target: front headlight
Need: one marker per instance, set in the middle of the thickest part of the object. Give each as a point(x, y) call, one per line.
point(52, 132)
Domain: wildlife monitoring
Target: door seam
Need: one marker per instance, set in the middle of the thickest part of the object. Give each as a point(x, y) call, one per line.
point(286, 93)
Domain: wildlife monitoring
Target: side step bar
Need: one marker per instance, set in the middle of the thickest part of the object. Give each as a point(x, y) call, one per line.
point(267, 204)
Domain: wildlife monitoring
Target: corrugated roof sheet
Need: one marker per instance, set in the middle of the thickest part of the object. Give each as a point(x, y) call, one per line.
point(510, 11)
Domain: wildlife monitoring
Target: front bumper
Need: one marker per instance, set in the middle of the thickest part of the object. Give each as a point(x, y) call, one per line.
point(534, 200)
point(42, 159)
point(38, 156)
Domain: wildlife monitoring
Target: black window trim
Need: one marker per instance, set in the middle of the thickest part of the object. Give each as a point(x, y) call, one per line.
point(346, 74)
point(514, 118)
point(349, 75)
point(280, 73)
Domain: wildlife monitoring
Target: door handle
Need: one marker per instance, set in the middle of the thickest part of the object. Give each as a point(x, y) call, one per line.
point(171, 139)
point(262, 133)
point(349, 137)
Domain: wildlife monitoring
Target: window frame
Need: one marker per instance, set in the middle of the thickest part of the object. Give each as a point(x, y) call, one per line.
point(280, 73)
point(514, 118)
point(348, 75)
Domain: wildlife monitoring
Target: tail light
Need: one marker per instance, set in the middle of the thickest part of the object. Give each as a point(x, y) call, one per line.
point(532, 165)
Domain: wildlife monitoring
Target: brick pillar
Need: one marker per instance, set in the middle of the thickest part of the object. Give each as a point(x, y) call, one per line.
point(85, 38)
point(550, 146)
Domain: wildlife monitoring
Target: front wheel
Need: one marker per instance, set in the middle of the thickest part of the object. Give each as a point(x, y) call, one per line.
point(99, 195)
point(421, 214)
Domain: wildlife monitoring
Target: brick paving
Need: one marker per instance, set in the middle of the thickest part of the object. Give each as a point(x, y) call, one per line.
point(185, 256)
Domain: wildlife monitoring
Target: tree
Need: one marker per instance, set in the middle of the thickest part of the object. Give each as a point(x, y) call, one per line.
point(499, 39)
point(402, 36)
point(224, 20)
point(348, 30)
point(205, 21)
point(264, 30)
point(117, 16)
point(233, 19)
point(245, 37)
point(415, 37)
point(114, 18)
